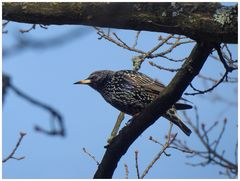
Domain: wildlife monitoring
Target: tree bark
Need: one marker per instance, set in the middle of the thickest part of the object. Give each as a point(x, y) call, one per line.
point(171, 94)
point(207, 23)
point(199, 21)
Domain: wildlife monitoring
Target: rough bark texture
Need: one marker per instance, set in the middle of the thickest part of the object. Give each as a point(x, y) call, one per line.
point(169, 96)
point(206, 23)
point(199, 21)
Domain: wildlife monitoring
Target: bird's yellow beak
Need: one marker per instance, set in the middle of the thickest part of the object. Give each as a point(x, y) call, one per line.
point(86, 81)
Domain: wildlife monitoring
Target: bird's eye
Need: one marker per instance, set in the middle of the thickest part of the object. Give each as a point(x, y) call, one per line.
point(92, 77)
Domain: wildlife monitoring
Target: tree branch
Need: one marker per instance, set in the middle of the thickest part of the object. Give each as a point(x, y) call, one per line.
point(11, 155)
point(140, 123)
point(55, 114)
point(210, 152)
point(228, 69)
point(199, 21)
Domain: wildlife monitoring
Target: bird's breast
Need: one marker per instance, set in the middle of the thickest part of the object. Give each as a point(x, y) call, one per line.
point(125, 99)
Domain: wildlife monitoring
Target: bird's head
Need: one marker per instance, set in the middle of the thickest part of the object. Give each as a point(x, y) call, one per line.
point(97, 79)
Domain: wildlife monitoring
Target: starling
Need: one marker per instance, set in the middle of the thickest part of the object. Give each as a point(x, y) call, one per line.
point(130, 92)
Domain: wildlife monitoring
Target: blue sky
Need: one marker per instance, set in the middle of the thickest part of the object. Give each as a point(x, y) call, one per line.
point(48, 75)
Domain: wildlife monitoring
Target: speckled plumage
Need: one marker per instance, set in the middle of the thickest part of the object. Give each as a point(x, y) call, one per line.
point(131, 91)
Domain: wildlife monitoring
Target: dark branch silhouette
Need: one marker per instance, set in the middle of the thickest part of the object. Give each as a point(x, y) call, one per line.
point(11, 155)
point(55, 114)
point(228, 69)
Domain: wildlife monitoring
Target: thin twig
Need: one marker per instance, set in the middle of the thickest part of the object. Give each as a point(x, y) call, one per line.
point(136, 164)
point(11, 155)
point(169, 132)
point(32, 28)
point(136, 39)
point(149, 54)
point(163, 68)
point(207, 78)
point(221, 134)
point(43, 26)
point(4, 24)
point(210, 155)
point(226, 66)
point(173, 60)
point(205, 134)
point(158, 156)
point(156, 141)
point(196, 117)
point(138, 60)
point(159, 45)
point(90, 155)
point(207, 90)
point(230, 79)
point(126, 171)
point(224, 77)
point(211, 127)
point(236, 153)
point(166, 145)
point(181, 146)
point(182, 150)
point(169, 50)
point(27, 30)
point(120, 40)
point(229, 52)
point(109, 38)
point(116, 127)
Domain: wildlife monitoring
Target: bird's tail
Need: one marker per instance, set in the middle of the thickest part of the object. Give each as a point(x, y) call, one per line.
point(172, 116)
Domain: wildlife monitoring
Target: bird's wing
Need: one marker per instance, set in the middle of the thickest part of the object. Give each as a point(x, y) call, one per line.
point(150, 86)
point(147, 84)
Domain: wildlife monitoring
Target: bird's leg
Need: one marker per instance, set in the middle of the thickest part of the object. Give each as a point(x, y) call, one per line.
point(116, 127)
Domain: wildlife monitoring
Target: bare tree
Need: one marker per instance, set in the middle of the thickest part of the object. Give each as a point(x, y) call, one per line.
point(210, 26)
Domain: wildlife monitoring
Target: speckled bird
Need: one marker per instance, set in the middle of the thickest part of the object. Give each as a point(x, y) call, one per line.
point(131, 91)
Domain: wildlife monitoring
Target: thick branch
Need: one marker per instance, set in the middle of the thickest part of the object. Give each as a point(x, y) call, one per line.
point(169, 96)
point(199, 21)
